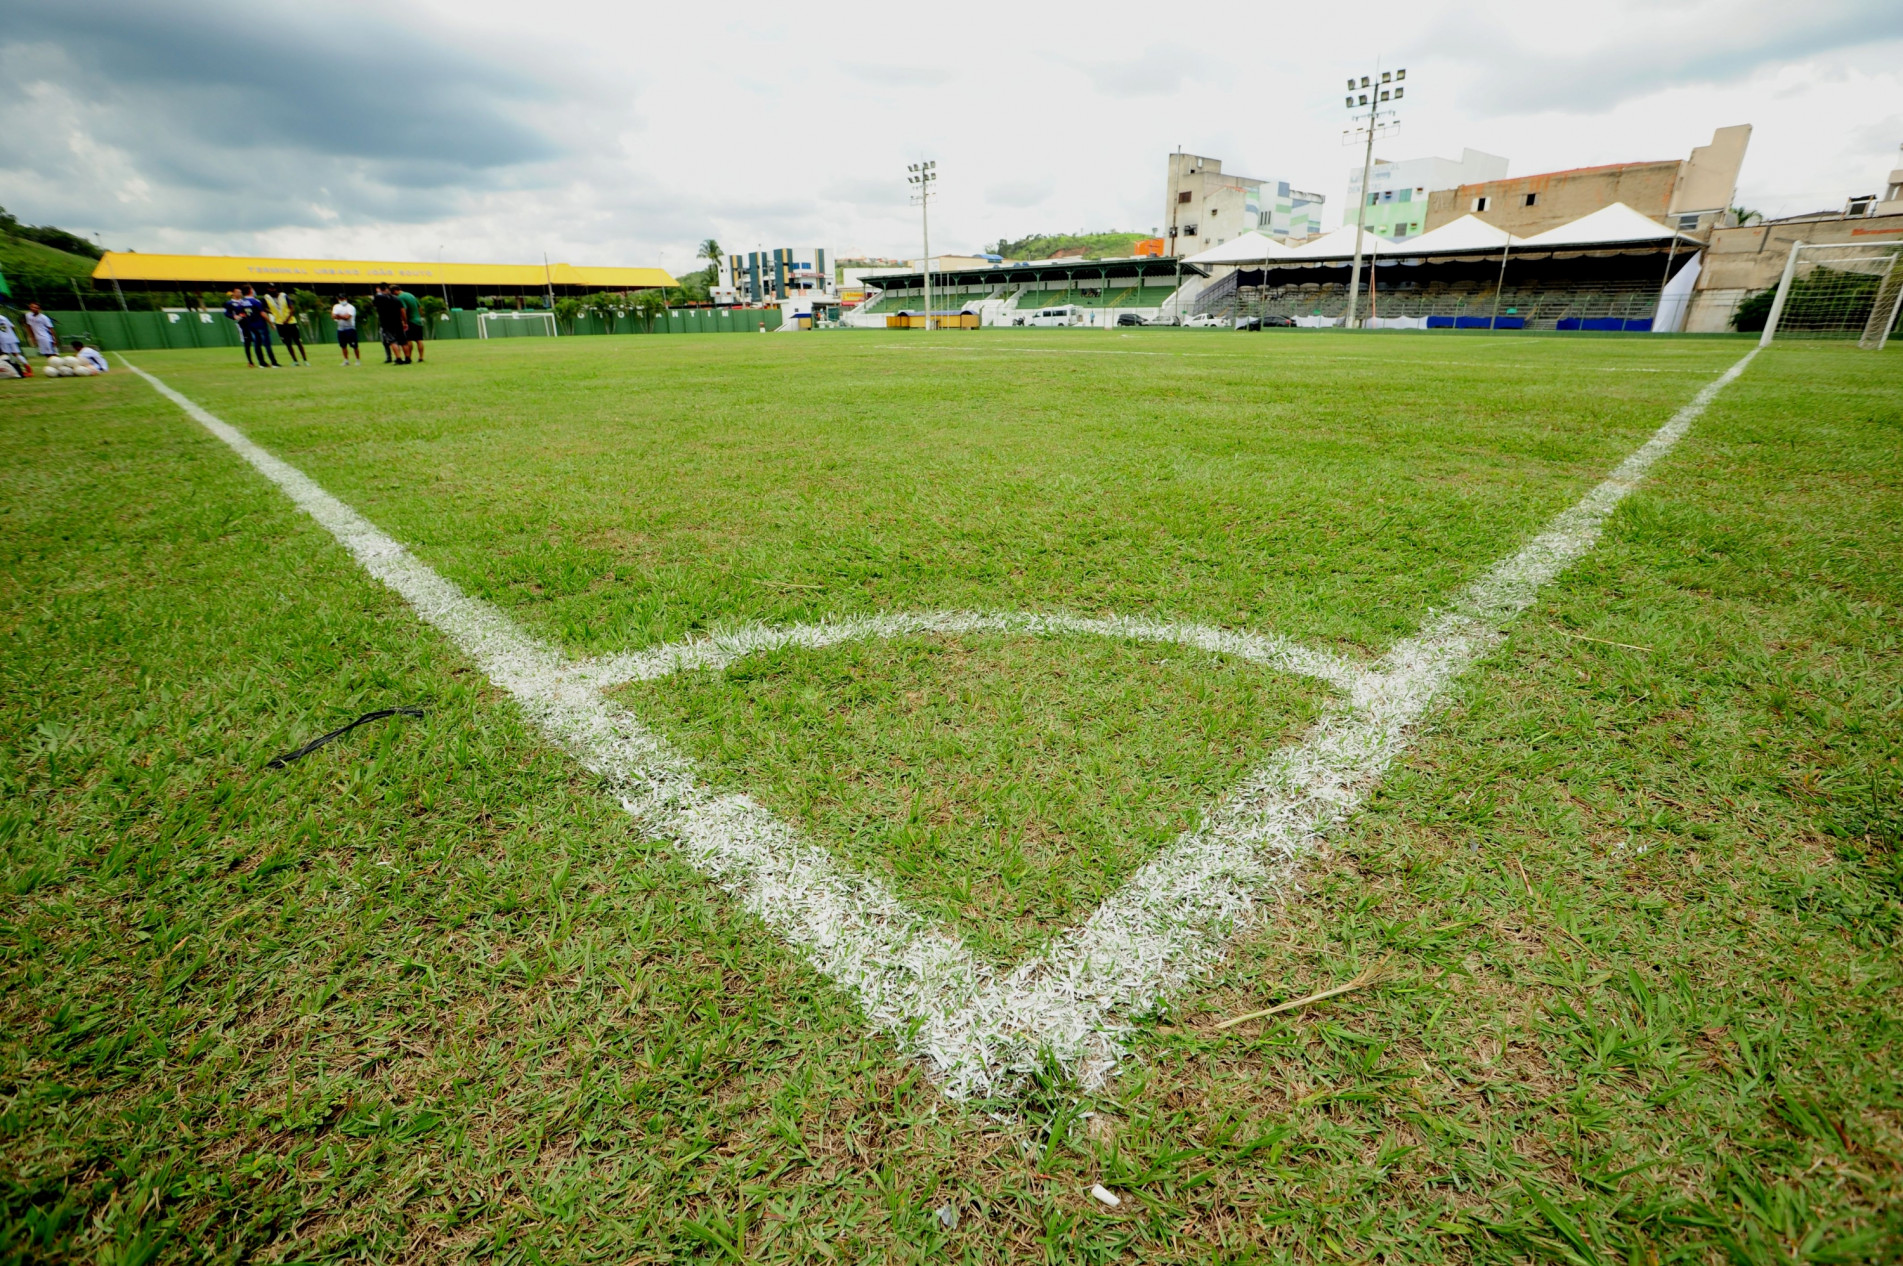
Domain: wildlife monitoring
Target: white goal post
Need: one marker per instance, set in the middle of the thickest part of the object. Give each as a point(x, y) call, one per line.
point(516, 318)
point(1838, 290)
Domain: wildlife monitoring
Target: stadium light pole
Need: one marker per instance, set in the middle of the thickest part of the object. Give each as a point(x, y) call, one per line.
point(1372, 93)
point(922, 177)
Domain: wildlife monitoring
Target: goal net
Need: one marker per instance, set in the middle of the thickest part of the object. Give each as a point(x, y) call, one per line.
point(1837, 291)
point(515, 325)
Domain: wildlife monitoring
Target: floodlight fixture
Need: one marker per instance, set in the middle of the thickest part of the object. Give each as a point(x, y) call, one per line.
point(922, 178)
point(1375, 95)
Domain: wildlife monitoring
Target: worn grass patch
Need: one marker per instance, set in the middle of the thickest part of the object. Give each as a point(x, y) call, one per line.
point(426, 996)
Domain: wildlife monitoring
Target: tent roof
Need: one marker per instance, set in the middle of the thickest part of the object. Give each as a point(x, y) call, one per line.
point(1340, 244)
point(1247, 249)
point(1468, 233)
point(235, 270)
point(1616, 223)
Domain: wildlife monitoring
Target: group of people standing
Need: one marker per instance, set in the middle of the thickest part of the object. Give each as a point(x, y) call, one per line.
point(399, 323)
point(42, 329)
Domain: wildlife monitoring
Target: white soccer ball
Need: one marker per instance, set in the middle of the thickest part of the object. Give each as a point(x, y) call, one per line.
point(55, 371)
point(84, 370)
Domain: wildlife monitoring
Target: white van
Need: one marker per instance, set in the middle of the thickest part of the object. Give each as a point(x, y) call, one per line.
point(1068, 314)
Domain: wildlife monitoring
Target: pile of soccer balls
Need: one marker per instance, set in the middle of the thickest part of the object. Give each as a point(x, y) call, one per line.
point(67, 367)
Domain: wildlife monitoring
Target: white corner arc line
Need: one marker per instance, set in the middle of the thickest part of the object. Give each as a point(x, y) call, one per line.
point(981, 1031)
point(723, 647)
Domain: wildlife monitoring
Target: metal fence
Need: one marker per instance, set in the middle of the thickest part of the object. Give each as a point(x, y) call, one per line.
point(117, 331)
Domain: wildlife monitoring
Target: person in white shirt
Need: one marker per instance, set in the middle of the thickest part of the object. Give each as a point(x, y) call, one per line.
point(91, 356)
point(344, 314)
point(10, 349)
point(41, 327)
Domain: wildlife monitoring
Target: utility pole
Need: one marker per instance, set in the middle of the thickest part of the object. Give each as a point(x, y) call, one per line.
point(1372, 93)
point(922, 177)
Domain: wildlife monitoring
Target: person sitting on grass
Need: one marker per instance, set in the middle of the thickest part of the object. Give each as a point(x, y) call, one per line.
point(91, 355)
point(10, 348)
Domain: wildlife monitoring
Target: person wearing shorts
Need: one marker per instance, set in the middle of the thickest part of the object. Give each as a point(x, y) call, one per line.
point(41, 327)
point(10, 347)
point(277, 305)
point(412, 326)
point(389, 323)
point(256, 324)
point(343, 314)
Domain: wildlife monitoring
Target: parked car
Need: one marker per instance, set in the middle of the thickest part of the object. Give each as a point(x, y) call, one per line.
point(1206, 321)
point(1131, 318)
point(1278, 322)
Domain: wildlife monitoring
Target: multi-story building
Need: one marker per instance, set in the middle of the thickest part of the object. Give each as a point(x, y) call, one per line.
point(1691, 194)
point(1203, 206)
point(1397, 194)
point(788, 272)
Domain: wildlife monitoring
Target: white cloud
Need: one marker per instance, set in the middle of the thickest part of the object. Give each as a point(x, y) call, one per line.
point(613, 134)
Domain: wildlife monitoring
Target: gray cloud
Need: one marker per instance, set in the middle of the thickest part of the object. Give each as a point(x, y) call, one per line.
point(225, 116)
point(1682, 45)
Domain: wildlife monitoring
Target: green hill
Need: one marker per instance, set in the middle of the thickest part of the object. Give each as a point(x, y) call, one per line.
point(1095, 245)
point(29, 266)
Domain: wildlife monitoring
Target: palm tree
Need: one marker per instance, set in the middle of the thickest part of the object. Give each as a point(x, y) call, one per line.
point(711, 252)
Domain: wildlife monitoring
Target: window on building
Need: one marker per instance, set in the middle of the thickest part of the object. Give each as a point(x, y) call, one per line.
point(1189, 230)
point(1183, 196)
point(1532, 200)
point(1480, 204)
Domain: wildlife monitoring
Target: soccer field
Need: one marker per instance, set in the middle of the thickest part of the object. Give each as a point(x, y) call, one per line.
point(861, 772)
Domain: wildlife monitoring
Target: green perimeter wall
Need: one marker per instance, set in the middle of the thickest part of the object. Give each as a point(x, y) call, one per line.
point(138, 331)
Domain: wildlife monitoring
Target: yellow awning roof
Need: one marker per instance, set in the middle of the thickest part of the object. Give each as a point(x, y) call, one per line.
point(239, 270)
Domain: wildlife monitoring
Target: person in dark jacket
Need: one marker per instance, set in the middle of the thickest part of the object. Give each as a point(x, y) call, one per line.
point(389, 323)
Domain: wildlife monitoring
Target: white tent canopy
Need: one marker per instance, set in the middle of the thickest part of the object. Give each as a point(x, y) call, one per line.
point(1468, 233)
point(1606, 226)
point(1252, 247)
point(1341, 245)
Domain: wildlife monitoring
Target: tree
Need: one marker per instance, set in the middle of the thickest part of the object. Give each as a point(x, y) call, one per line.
point(605, 306)
point(567, 309)
point(711, 252)
point(648, 307)
point(433, 307)
point(308, 305)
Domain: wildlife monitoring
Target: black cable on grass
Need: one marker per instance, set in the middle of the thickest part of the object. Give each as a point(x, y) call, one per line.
point(279, 762)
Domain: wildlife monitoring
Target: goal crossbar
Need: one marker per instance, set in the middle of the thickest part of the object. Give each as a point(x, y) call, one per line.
point(1838, 307)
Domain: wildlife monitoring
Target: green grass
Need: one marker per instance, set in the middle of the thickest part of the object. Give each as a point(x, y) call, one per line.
point(427, 995)
point(35, 265)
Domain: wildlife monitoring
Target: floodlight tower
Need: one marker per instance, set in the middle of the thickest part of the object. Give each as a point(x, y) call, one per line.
point(1370, 107)
point(924, 175)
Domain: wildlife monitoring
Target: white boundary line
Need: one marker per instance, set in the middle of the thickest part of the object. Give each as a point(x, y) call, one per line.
point(978, 1028)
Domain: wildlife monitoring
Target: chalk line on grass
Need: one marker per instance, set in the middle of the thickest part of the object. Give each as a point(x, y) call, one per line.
point(979, 1027)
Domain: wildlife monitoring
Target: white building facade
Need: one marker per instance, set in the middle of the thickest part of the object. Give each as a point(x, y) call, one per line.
point(1204, 206)
point(1397, 191)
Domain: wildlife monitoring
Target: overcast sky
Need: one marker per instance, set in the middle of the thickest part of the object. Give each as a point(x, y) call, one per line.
point(624, 134)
